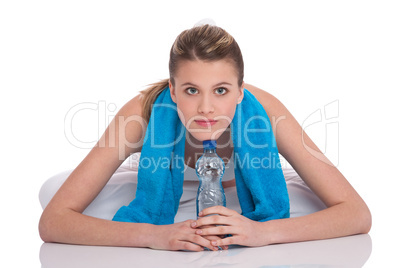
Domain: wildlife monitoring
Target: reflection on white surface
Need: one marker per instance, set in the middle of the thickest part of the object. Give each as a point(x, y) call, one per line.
point(352, 251)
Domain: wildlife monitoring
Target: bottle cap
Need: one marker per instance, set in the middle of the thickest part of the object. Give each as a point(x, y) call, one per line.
point(209, 144)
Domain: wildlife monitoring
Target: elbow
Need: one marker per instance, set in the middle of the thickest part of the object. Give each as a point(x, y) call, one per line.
point(368, 222)
point(45, 228)
point(364, 219)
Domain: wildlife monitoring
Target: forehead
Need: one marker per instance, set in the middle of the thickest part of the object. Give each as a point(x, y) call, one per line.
point(206, 70)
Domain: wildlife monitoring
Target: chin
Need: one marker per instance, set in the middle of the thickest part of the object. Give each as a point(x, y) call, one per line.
point(202, 134)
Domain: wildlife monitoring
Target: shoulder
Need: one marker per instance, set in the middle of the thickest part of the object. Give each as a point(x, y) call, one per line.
point(129, 125)
point(132, 107)
point(271, 104)
point(285, 127)
point(260, 94)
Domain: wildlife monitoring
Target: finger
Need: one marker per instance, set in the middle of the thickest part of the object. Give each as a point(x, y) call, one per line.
point(224, 242)
point(217, 231)
point(197, 239)
point(207, 226)
point(184, 245)
point(224, 211)
point(214, 238)
point(211, 220)
point(194, 225)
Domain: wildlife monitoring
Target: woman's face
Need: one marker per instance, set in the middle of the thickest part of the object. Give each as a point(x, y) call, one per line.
point(206, 94)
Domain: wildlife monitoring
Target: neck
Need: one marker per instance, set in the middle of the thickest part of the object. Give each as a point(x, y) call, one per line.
point(223, 142)
point(194, 148)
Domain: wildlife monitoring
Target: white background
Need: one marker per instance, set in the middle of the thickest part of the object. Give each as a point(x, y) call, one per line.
point(57, 54)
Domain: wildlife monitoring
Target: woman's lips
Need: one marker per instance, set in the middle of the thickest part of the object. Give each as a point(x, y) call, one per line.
point(206, 123)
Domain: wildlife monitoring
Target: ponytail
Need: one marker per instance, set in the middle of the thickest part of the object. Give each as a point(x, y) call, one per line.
point(149, 96)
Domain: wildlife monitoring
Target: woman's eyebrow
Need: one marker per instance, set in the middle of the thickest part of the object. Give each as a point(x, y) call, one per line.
point(189, 84)
point(223, 83)
point(194, 85)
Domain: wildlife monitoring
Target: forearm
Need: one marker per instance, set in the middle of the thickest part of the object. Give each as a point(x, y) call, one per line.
point(74, 228)
point(339, 220)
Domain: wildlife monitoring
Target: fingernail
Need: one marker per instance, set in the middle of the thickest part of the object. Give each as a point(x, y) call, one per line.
point(216, 248)
point(193, 224)
point(198, 232)
point(200, 214)
point(214, 243)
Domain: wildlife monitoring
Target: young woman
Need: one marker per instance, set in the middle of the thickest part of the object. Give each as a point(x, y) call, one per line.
point(206, 84)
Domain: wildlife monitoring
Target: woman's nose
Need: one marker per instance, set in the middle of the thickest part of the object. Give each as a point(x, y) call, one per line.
point(205, 106)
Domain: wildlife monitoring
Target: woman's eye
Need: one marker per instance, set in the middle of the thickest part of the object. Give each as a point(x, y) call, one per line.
point(221, 90)
point(191, 90)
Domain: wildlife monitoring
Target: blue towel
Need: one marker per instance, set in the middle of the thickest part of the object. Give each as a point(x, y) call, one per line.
point(261, 186)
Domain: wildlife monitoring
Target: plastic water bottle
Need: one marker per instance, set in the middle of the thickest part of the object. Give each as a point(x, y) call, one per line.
point(210, 168)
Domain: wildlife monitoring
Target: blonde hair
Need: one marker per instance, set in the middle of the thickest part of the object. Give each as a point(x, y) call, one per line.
point(207, 43)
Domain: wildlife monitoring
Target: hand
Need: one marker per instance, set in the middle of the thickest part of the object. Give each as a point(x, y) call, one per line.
point(212, 237)
point(244, 231)
point(180, 236)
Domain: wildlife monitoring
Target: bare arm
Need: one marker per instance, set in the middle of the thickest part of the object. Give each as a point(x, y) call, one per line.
point(62, 220)
point(346, 214)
